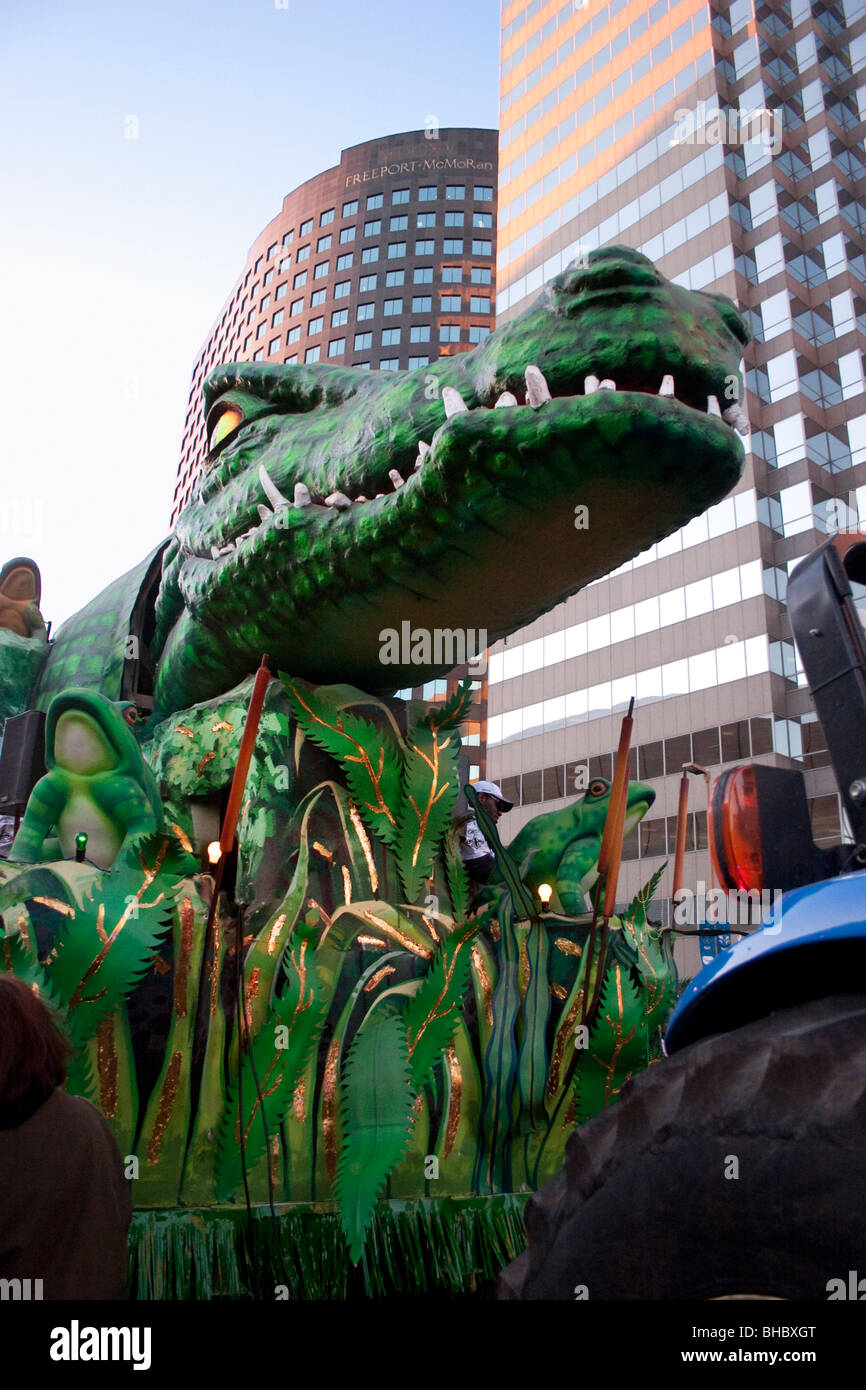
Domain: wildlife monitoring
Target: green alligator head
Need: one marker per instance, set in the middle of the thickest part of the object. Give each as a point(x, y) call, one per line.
point(562, 847)
point(338, 504)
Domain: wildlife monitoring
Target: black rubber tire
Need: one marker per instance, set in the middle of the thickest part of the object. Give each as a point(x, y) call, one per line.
point(643, 1209)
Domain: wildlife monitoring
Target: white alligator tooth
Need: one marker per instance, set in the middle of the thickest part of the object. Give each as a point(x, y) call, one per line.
point(339, 500)
point(272, 492)
point(378, 495)
point(452, 401)
point(713, 405)
point(607, 385)
point(423, 449)
point(667, 386)
point(302, 495)
point(537, 389)
point(214, 552)
point(218, 550)
point(419, 464)
point(264, 512)
point(394, 475)
point(734, 416)
point(590, 384)
point(361, 497)
point(507, 398)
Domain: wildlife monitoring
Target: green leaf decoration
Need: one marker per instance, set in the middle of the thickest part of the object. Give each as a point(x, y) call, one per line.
point(450, 714)
point(617, 1045)
point(429, 793)
point(532, 1069)
point(650, 952)
point(275, 1060)
point(457, 879)
point(106, 946)
point(432, 1014)
point(370, 757)
point(500, 1063)
point(377, 1116)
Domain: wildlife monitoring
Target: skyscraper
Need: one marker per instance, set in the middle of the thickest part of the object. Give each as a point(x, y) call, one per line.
point(725, 141)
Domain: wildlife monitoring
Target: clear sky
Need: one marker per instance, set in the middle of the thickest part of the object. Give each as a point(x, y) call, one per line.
point(116, 253)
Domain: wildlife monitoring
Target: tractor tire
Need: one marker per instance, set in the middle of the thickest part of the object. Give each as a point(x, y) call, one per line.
point(733, 1168)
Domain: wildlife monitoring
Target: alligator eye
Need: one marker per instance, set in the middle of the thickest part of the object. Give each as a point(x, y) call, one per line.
point(227, 421)
point(597, 788)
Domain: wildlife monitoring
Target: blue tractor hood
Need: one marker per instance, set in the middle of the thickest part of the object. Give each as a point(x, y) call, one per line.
point(812, 944)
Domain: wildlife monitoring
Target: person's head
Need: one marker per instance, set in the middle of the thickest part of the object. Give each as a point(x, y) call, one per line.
point(33, 1050)
point(491, 800)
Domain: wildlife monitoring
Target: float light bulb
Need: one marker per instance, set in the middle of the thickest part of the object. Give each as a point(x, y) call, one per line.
point(80, 847)
point(545, 893)
point(214, 853)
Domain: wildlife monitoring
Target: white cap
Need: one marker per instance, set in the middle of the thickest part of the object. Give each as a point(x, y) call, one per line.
point(492, 790)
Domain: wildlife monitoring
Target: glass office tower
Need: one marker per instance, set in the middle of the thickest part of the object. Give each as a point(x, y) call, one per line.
point(726, 142)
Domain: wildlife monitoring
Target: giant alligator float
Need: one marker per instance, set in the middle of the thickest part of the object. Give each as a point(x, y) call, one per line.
point(347, 1042)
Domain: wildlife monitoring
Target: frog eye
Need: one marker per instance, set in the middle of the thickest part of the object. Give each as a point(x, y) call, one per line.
point(225, 424)
point(130, 715)
point(597, 788)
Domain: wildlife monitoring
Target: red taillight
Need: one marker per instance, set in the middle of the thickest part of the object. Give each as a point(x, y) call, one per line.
point(735, 831)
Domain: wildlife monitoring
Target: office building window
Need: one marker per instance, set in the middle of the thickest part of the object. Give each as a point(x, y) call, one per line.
point(346, 234)
point(297, 307)
point(324, 243)
point(263, 304)
point(479, 304)
point(373, 228)
point(482, 248)
point(452, 275)
point(339, 317)
point(344, 262)
point(374, 201)
point(481, 275)
point(390, 364)
point(483, 194)
point(349, 209)
point(326, 217)
point(261, 330)
point(272, 250)
point(364, 365)
point(422, 304)
point(418, 362)
point(390, 337)
point(303, 253)
point(258, 265)
point(455, 190)
point(394, 277)
point(293, 336)
point(449, 333)
point(427, 194)
point(424, 248)
point(454, 219)
point(426, 219)
point(272, 346)
point(423, 275)
point(315, 325)
point(257, 356)
point(342, 289)
point(369, 254)
point(312, 354)
point(400, 195)
point(478, 332)
point(278, 318)
point(318, 297)
point(449, 304)
point(290, 361)
point(321, 270)
point(419, 333)
point(366, 311)
point(482, 219)
point(393, 306)
point(367, 283)
point(396, 249)
point(362, 341)
point(336, 347)
point(268, 277)
point(399, 224)
point(306, 227)
point(281, 290)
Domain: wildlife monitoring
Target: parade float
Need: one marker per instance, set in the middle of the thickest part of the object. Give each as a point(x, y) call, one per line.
point(329, 1065)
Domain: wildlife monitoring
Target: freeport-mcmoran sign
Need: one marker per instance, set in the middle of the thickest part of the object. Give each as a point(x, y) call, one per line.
point(411, 166)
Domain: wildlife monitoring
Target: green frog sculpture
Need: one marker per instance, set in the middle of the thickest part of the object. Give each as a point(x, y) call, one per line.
point(344, 1033)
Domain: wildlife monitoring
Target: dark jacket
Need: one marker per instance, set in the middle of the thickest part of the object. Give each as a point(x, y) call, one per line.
point(65, 1206)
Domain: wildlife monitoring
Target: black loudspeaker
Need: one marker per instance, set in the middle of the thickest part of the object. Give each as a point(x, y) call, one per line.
point(22, 760)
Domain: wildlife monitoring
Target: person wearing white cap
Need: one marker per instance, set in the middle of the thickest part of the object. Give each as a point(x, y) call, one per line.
point(478, 858)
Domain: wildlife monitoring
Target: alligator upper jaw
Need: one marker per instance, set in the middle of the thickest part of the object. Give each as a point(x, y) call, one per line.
point(275, 512)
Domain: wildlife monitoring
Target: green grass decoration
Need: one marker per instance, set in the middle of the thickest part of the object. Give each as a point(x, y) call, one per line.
point(617, 1045)
point(432, 1013)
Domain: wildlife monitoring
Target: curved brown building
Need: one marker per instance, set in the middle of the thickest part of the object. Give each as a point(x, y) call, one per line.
point(386, 261)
